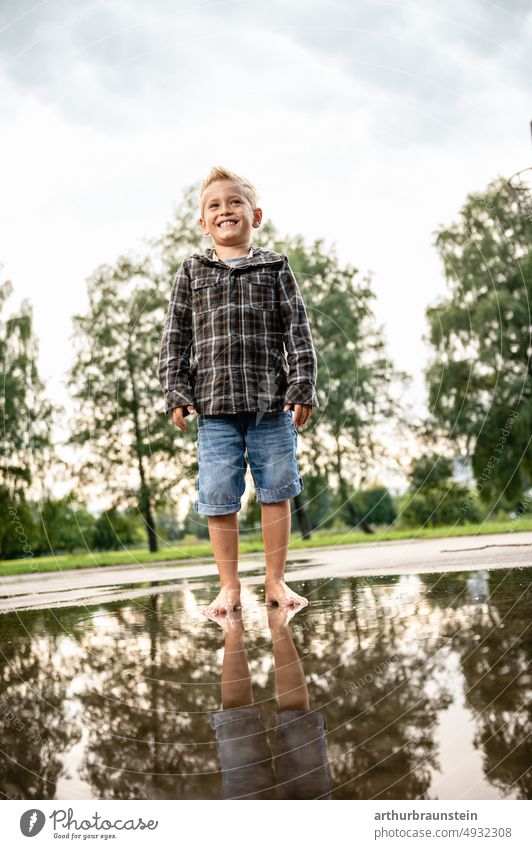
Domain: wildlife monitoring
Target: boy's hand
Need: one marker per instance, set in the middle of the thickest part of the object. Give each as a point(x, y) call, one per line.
point(177, 416)
point(301, 413)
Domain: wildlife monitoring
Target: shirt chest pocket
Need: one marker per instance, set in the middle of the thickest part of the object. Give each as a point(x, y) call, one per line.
point(206, 295)
point(262, 290)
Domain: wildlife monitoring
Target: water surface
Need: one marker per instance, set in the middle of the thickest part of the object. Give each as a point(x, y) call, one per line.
point(424, 681)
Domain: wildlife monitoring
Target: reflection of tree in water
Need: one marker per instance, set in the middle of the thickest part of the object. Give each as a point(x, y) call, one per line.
point(145, 675)
point(155, 680)
point(494, 645)
point(381, 731)
point(145, 710)
point(35, 677)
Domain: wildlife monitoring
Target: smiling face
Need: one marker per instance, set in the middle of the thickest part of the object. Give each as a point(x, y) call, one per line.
point(227, 216)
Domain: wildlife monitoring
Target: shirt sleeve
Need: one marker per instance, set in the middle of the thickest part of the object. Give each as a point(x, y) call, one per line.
point(176, 346)
point(297, 338)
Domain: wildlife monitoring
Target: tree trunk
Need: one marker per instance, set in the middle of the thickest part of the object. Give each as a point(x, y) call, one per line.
point(301, 516)
point(146, 511)
point(145, 494)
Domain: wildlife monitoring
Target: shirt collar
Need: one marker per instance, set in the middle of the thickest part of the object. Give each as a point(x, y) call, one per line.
point(257, 257)
point(216, 257)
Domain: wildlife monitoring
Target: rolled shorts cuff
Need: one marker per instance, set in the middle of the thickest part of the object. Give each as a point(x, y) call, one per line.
point(220, 717)
point(280, 493)
point(217, 509)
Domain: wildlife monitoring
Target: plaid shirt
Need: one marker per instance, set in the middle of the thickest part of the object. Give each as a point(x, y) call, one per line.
point(246, 328)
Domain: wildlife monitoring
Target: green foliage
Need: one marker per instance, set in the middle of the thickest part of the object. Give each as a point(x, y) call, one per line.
point(320, 500)
point(25, 414)
point(431, 471)
point(480, 378)
point(33, 529)
point(114, 530)
point(120, 419)
point(169, 528)
point(63, 525)
point(17, 526)
point(355, 377)
point(434, 499)
point(196, 525)
point(376, 505)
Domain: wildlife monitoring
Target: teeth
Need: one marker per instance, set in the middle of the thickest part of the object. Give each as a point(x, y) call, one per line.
point(227, 224)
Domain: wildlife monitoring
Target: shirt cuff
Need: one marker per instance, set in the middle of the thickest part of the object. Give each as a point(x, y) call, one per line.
point(302, 393)
point(174, 399)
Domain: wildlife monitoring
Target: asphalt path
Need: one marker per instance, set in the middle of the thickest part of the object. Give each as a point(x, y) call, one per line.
point(113, 583)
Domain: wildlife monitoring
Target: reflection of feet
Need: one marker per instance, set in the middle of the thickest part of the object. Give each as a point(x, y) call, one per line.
point(278, 592)
point(227, 600)
point(279, 617)
point(230, 623)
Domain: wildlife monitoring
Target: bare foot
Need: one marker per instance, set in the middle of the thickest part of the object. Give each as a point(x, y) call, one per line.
point(227, 600)
point(279, 617)
point(278, 592)
point(230, 623)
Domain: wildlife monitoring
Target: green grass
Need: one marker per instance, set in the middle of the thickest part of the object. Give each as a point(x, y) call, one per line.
point(202, 550)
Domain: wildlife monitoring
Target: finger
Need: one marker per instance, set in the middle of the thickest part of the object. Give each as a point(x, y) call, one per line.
point(178, 418)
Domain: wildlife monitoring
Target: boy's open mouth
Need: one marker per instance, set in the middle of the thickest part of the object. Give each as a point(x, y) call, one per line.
point(227, 223)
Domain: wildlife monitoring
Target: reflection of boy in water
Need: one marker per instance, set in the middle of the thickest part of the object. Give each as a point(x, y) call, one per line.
point(300, 769)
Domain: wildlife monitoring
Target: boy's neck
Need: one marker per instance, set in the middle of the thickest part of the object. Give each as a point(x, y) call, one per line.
point(231, 252)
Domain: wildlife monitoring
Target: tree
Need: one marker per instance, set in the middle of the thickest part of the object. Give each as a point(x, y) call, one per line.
point(354, 374)
point(26, 420)
point(62, 525)
point(376, 505)
point(480, 379)
point(434, 498)
point(113, 530)
point(114, 383)
point(26, 414)
point(129, 443)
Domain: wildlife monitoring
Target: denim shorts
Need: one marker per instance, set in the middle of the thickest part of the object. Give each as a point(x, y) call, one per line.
point(299, 767)
point(228, 442)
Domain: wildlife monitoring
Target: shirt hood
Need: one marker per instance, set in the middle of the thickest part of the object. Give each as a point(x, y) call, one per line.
point(259, 256)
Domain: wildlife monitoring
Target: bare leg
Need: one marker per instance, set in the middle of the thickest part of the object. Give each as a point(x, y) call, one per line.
point(236, 680)
point(223, 531)
point(290, 682)
point(276, 520)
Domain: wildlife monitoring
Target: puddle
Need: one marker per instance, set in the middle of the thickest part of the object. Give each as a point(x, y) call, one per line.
point(423, 681)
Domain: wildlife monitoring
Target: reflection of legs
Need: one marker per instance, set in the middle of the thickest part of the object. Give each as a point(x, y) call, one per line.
point(236, 680)
point(300, 761)
point(290, 683)
point(240, 735)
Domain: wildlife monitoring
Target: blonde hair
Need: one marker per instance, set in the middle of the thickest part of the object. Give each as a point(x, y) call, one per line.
point(217, 173)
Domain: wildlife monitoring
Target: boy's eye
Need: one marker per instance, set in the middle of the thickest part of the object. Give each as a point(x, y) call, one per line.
point(215, 203)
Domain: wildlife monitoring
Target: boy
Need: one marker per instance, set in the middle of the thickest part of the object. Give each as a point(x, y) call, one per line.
point(239, 310)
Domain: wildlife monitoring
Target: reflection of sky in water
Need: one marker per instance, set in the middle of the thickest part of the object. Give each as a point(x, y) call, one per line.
point(423, 680)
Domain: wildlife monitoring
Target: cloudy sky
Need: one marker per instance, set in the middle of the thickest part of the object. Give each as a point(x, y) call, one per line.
point(361, 122)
